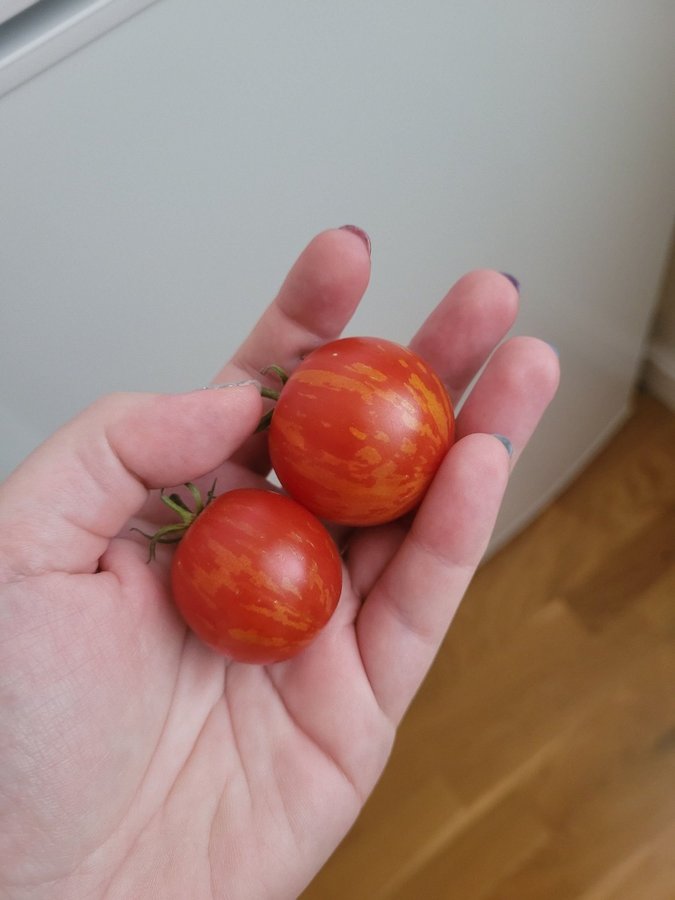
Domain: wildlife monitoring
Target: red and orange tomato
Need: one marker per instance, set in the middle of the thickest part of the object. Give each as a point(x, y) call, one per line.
point(256, 576)
point(359, 431)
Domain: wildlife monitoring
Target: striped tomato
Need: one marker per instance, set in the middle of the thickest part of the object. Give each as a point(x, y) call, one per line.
point(256, 576)
point(359, 430)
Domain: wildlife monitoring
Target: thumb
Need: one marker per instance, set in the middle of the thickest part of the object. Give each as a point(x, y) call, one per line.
point(61, 507)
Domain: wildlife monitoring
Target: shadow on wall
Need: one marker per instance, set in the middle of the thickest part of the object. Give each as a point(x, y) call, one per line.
point(659, 369)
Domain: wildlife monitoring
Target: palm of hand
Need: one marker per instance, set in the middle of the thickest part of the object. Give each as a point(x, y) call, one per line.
point(141, 763)
point(156, 746)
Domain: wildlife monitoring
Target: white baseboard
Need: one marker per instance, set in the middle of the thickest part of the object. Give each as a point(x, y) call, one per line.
point(659, 372)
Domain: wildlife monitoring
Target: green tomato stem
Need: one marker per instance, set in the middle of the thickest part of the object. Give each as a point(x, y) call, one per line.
point(269, 393)
point(281, 374)
point(171, 534)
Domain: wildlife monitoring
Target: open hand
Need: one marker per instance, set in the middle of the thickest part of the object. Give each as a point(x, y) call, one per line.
point(134, 761)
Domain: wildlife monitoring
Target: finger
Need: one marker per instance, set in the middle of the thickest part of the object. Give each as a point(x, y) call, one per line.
point(449, 535)
point(466, 326)
point(370, 550)
point(61, 507)
point(507, 399)
point(406, 615)
point(317, 299)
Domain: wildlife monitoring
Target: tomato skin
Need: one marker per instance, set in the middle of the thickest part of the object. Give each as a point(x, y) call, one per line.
point(256, 576)
point(360, 430)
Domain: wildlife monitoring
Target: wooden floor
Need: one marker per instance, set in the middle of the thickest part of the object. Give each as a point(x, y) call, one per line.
point(538, 760)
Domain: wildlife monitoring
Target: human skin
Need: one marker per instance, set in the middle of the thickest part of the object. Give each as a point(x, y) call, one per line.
point(136, 762)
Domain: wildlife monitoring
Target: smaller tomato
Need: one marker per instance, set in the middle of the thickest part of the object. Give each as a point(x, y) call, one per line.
point(256, 576)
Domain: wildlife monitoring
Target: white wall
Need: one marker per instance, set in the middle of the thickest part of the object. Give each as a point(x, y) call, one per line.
point(156, 185)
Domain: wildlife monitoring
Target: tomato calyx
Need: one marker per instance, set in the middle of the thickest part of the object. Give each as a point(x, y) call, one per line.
point(171, 534)
point(271, 394)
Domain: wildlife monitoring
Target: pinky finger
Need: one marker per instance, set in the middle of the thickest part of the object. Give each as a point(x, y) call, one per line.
point(410, 607)
point(415, 598)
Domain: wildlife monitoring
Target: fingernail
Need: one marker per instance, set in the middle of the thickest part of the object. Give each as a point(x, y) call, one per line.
point(506, 442)
point(554, 348)
point(512, 278)
point(231, 384)
point(359, 232)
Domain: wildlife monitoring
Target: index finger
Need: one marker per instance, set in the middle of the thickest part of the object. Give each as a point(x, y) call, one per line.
point(316, 301)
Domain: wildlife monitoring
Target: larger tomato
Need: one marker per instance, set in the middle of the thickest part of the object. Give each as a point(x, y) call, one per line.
point(256, 576)
point(359, 431)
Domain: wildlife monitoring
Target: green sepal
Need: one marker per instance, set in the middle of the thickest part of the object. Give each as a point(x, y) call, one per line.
point(172, 534)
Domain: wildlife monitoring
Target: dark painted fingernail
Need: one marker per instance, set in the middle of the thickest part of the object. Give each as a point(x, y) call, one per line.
point(506, 442)
point(512, 278)
point(359, 232)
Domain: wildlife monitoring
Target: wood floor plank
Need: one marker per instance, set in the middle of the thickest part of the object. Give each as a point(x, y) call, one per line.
point(481, 856)
point(392, 848)
point(601, 798)
point(621, 579)
point(649, 871)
